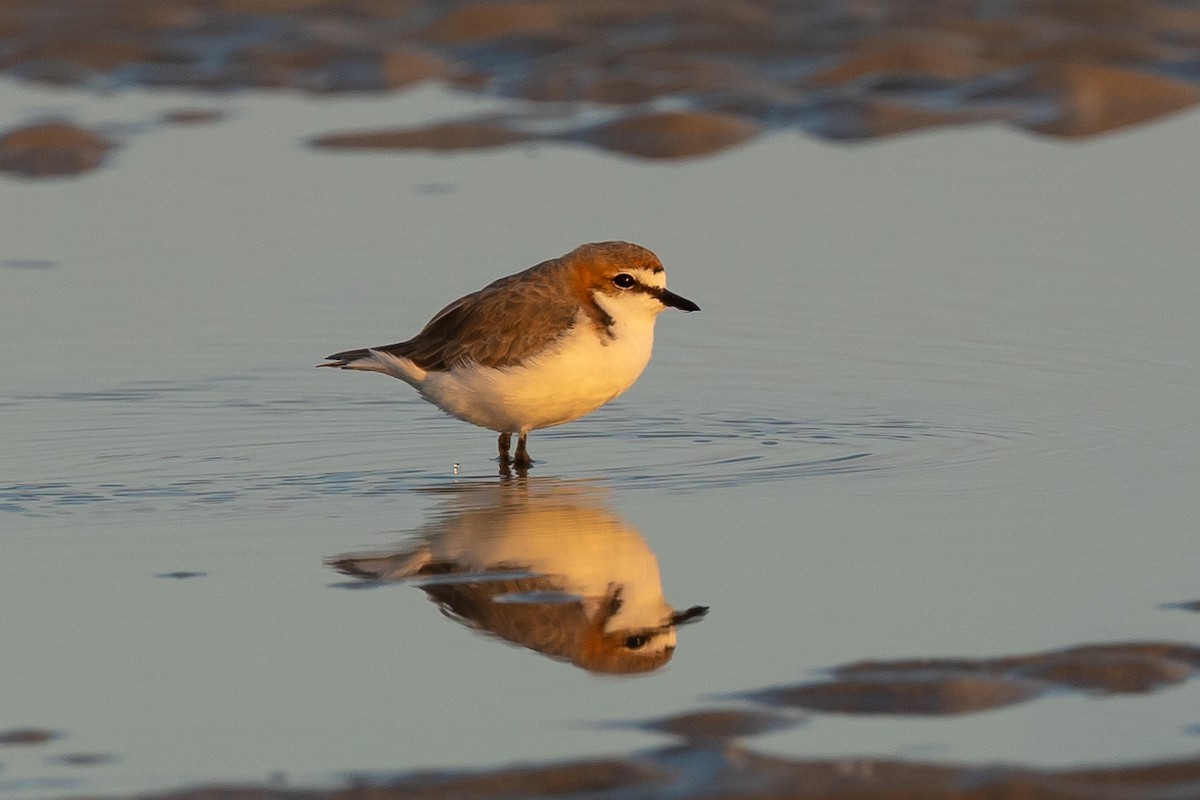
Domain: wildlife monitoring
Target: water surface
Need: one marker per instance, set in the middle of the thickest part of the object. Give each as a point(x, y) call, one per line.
point(940, 402)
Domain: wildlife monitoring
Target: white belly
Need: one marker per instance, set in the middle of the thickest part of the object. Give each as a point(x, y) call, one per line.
point(582, 372)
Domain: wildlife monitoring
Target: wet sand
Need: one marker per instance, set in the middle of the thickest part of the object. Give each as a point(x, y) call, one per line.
point(699, 767)
point(737, 774)
point(655, 80)
point(51, 148)
point(709, 759)
point(958, 686)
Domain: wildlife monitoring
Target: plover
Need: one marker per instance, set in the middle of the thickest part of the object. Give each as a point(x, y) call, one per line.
point(547, 566)
point(535, 349)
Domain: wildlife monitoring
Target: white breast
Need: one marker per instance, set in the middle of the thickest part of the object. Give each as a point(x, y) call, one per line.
point(585, 550)
point(579, 373)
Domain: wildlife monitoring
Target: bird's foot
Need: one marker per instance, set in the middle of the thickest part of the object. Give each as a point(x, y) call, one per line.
point(518, 462)
point(521, 458)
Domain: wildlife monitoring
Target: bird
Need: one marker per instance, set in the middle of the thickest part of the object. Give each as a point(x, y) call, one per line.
point(538, 348)
point(544, 565)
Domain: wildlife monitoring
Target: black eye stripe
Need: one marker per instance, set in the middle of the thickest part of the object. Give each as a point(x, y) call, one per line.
point(634, 285)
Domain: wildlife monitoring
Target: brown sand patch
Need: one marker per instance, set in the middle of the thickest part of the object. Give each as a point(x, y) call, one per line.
point(934, 693)
point(1113, 670)
point(192, 116)
point(719, 724)
point(669, 135)
point(405, 66)
point(957, 686)
point(921, 54)
point(1092, 98)
point(27, 736)
point(477, 22)
point(866, 117)
point(51, 148)
point(674, 134)
point(613, 777)
point(733, 773)
point(475, 134)
point(1061, 67)
point(83, 759)
point(642, 77)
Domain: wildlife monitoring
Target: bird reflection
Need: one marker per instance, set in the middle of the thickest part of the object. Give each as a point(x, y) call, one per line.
point(544, 565)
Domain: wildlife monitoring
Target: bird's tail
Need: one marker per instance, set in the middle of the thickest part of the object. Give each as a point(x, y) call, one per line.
point(371, 360)
point(347, 359)
point(384, 566)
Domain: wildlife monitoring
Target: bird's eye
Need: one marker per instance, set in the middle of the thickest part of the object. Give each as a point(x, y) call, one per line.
point(624, 281)
point(635, 642)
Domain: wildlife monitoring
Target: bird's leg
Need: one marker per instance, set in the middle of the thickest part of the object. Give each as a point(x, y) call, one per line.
point(521, 457)
point(503, 443)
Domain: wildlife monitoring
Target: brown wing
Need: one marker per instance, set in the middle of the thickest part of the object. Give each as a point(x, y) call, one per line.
point(501, 325)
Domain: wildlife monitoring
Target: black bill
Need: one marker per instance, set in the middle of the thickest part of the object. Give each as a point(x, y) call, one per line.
point(675, 301)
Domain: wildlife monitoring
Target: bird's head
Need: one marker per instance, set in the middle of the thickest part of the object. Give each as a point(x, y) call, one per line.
point(624, 278)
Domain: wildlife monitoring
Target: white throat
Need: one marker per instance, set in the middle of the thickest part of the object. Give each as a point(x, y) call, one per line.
point(633, 314)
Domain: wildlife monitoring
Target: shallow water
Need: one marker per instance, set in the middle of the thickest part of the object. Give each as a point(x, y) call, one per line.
point(940, 402)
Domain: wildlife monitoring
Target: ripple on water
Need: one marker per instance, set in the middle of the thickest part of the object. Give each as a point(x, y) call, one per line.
point(223, 442)
point(724, 450)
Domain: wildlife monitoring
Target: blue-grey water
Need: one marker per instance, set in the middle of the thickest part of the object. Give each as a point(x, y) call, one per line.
point(941, 401)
